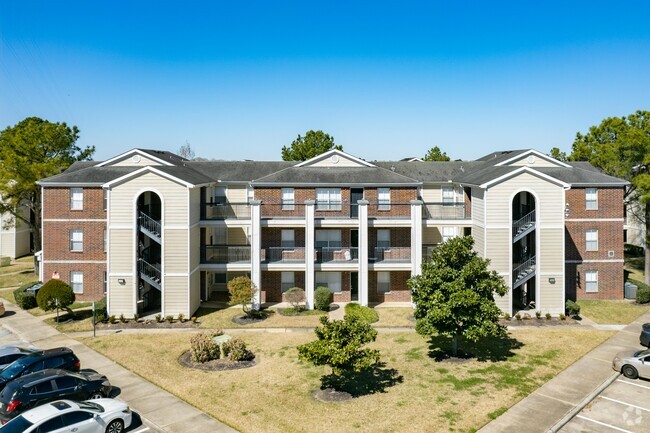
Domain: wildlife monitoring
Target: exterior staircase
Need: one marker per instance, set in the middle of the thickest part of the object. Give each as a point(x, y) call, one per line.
point(523, 226)
point(150, 273)
point(523, 272)
point(149, 227)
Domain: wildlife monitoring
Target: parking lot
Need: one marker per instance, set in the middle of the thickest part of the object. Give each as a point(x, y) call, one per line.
point(624, 406)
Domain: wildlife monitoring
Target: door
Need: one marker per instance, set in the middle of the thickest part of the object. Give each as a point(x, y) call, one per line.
point(354, 244)
point(356, 194)
point(354, 286)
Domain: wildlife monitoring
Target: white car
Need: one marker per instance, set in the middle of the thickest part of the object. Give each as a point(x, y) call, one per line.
point(633, 364)
point(103, 415)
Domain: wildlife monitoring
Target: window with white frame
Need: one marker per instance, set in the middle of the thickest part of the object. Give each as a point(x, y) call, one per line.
point(448, 233)
point(76, 198)
point(288, 281)
point(328, 198)
point(448, 195)
point(219, 195)
point(105, 282)
point(383, 238)
point(288, 239)
point(250, 194)
point(383, 198)
point(77, 281)
point(105, 240)
point(76, 240)
point(105, 199)
point(328, 238)
point(288, 201)
point(383, 282)
point(592, 240)
point(591, 196)
point(591, 281)
point(331, 280)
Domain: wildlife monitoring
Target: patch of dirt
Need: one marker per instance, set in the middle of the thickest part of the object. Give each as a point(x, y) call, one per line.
point(147, 325)
point(247, 320)
point(215, 365)
point(330, 395)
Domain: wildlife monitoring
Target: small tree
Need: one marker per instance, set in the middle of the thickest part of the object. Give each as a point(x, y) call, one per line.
point(53, 290)
point(242, 291)
point(296, 297)
point(454, 295)
point(340, 346)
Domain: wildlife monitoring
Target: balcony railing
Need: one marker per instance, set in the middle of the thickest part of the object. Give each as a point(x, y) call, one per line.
point(524, 223)
point(283, 255)
point(445, 211)
point(226, 254)
point(336, 254)
point(392, 254)
point(149, 224)
point(224, 211)
point(521, 271)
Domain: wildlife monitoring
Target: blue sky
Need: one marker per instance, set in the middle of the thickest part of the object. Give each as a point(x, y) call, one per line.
point(238, 80)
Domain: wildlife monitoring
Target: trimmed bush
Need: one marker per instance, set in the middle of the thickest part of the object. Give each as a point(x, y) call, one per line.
point(100, 310)
point(362, 313)
point(24, 299)
point(235, 350)
point(242, 291)
point(572, 308)
point(203, 348)
point(296, 297)
point(642, 292)
point(322, 298)
point(52, 290)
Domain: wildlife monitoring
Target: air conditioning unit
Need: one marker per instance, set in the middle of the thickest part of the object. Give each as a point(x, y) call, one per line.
point(610, 254)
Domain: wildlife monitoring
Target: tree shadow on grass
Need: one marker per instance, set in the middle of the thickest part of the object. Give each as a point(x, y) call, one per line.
point(66, 317)
point(491, 349)
point(368, 381)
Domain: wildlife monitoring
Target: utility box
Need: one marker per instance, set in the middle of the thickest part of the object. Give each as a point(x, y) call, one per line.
point(630, 290)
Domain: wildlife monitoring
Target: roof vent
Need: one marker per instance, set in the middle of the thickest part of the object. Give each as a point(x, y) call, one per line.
point(334, 159)
point(135, 158)
point(462, 169)
point(392, 168)
point(610, 253)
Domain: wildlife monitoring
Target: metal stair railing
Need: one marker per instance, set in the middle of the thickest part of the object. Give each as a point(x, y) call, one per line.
point(149, 224)
point(523, 223)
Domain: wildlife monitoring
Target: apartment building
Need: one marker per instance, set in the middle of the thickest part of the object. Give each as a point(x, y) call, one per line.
point(156, 232)
point(15, 235)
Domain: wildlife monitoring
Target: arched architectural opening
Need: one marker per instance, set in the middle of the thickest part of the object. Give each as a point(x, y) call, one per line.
point(524, 252)
point(149, 253)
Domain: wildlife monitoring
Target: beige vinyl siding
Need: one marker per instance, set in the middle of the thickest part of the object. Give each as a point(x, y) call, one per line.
point(121, 296)
point(175, 250)
point(195, 205)
point(22, 243)
point(498, 249)
point(237, 236)
point(127, 161)
point(478, 206)
point(430, 193)
point(175, 295)
point(195, 247)
point(342, 162)
point(195, 292)
point(124, 196)
point(551, 295)
point(478, 233)
point(431, 236)
point(121, 253)
point(539, 162)
point(8, 243)
point(236, 194)
point(504, 302)
point(551, 248)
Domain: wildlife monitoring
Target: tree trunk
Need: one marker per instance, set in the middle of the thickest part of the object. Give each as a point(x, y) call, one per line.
point(646, 244)
point(454, 346)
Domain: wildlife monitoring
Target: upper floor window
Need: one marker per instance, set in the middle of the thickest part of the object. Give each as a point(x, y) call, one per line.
point(591, 198)
point(328, 198)
point(76, 240)
point(383, 198)
point(77, 281)
point(76, 198)
point(383, 238)
point(448, 195)
point(288, 238)
point(591, 280)
point(288, 202)
point(328, 238)
point(250, 194)
point(448, 233)
point(219, 195)
point(592, 240)
point(105, 199)
point(105, 240)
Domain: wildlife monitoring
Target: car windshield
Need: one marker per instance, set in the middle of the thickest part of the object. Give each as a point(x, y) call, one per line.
point(642, 353)
point(13, 369)
point(16, 425)
point(89, 406)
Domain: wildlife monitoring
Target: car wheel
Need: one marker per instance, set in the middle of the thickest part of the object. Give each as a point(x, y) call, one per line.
point(95, 396)
point(629, 372)
point(115, 426)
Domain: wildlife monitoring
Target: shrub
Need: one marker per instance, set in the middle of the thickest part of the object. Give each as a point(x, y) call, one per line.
point(136, 317)
point(203, 348)
point(642, 292)
point(100, 310)
point(296, 297)
point(322, 298)
point(159, 318)
point(122, 318)
point(365, 314)
point(24, 299)
point(506, 316)
point(112, 319)
point(170, 318)
point(572, 308)
point(538, 314)
point(242, 291)
point(193, 319)
point(548, 316)
point(518, 316)
point(52, 290)
point(181, 317)
point(235, 350)
point(562, 316)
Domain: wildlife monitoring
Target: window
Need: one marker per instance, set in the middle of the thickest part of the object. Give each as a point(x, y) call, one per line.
point(76, 240)
point(77, 281)
point(65, 382)
point(105, 282)
point(448, 196)
point(105, 199)
point(73, 418)
point(288, 238)
point(331, 280)
point(448, 233)
point(218, 236)
point(76, 198)
point(288, 202)
point(591, 198)
point(105, 240)
point(592, 240)
point(42, 388)
point(219, 195)
point(328, 198)
point(383, 282)
point(591, 278)
point(383, 238)
point(219, 279)
point(250, 194)
point(287, 281)
point(328, 238)
point(51, 425)
point(54, 362)
point(383, 198)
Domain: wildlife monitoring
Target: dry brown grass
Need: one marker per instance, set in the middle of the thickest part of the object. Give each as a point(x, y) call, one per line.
point(222, 319)
point(612, 312)
point(276, 395)
point(394, 316)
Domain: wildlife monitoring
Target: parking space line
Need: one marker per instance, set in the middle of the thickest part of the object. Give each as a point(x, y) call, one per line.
point(635, 384)
point(603, 424)
point(625, 404)
point(141, 430)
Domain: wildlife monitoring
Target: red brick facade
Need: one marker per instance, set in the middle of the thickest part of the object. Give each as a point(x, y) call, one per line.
point(399, 291)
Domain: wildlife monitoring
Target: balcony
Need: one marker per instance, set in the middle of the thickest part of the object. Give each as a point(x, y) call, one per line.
point(445, 211)
point(337, 254)
point(283, 255)
point(392, 254)
point(389, 210)
point(225, 211)
point(226, 254)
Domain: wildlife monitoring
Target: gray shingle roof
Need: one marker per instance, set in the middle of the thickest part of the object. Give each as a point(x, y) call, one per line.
point(89, 175)
point(337, 176)
point(431, 172)
point(238, 171)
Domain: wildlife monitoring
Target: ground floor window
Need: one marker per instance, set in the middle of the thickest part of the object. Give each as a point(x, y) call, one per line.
point(288, 281)
point(591, 279)
point(331, 280)
point(383, 282)
point(77, 281)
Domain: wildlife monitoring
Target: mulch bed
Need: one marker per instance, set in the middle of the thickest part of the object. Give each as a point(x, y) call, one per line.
point(215, 365)
point(540, 322)
point(330, 395)
point(245, 320)
point(147, 325)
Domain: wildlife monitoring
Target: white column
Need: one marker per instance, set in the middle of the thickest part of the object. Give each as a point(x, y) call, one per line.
point(256, 246)
point(363, 252)
point(416, 237)
point(310, 256)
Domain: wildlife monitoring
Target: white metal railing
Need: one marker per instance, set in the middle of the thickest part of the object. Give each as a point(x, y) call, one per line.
point(148, 223)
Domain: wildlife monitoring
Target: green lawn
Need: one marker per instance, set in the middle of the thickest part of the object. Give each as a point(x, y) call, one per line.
point(612, 312)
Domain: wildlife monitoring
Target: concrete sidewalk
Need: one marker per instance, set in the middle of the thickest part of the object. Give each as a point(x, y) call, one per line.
point(165, 411)
point(556, 402)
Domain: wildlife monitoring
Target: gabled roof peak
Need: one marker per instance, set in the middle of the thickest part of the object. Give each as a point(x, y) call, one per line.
point(334, 157)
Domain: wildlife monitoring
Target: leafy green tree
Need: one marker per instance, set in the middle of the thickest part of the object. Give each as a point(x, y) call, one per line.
point(31, 150)
point(51, 291)
point(242, 291)
point(620, 146)
point(312, 144)
point(558, 154)
point(454, 295)
point(340, 346)
point(435, 154)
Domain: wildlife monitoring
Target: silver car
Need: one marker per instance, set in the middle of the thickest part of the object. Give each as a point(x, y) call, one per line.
point(12, 352)
point(633, 364)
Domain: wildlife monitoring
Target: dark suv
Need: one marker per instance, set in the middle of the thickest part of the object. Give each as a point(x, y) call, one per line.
point(45, 386)
point(645, 335)
point(61, 358)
